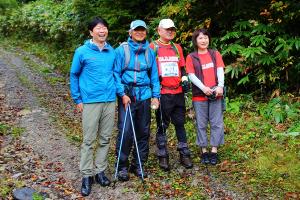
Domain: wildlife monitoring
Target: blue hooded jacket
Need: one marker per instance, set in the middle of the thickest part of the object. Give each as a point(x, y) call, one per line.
point(91, 75)
point(143, 78)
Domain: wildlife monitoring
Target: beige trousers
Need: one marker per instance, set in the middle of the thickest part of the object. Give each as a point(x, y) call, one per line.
point(97, 124)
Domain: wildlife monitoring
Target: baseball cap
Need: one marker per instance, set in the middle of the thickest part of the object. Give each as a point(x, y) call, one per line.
point(137, 23)
point(166, 23)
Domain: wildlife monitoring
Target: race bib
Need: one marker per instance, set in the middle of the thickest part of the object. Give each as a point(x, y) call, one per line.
point(169, 69)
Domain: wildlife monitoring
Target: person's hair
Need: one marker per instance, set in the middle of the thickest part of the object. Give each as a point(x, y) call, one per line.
point(196, 34)
point(95, 21)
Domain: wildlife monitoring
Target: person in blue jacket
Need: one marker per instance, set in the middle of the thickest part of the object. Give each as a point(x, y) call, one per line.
point(138, 86)
point(94, 92)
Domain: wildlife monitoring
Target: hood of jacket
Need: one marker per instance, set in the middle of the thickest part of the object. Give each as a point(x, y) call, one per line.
point(138, 47)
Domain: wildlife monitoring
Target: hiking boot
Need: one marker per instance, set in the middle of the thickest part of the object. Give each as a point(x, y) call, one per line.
point(102, 179)
point(123, 175)
point(213, 158)
point(164, 163)
point(205, 158)
point(137, 171)
point(86, 186)
point(186, 161)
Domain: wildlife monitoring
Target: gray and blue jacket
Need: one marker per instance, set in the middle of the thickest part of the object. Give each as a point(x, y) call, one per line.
point(138, 76)
point(91, 75)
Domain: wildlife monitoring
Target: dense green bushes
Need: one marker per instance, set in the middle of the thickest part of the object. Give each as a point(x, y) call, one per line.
point(6, 5)
point(44, 20)
point(258, 39)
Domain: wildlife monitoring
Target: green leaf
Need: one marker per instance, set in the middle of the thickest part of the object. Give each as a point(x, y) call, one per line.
point(244, 80)
point(294, 134)
point(259, 40)
point(278, 117)
point(263, 28)
point(231, 35)
point(266, 60)
point(235, 71)
point(233, 48)
point(251, 52)
point(297, 44)
point(242, 25)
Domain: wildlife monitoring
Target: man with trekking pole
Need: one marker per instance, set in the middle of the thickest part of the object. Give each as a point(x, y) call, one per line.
point(174, 83)
point(138, 88)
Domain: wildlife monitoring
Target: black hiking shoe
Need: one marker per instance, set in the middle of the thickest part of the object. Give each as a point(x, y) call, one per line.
point(205, 158)
point(123, 175)
point(164, 163)
point(137, 171)
point(186, 161)
point(102, 179)
point(86, 186)
point(213, 158)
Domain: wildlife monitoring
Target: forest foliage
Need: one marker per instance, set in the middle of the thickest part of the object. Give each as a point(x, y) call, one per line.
point(259, 40)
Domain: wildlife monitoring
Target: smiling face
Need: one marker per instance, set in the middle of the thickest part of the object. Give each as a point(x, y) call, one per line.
point(202, 41)
point(138, 34)
point(99, 33)
point(166, 34)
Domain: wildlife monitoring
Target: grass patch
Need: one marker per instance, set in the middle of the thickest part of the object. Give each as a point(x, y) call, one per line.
point(11, 130)
point(262, 154)
point(7, 185)
point(55, 80)
point(60, 59)
point(280, 167)
point(25, 81)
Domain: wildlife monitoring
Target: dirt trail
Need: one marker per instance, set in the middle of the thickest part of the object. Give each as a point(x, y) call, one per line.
point(25, 89)
point(45, 138)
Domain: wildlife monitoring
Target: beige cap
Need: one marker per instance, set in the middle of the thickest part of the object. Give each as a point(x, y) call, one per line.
point(166, 23)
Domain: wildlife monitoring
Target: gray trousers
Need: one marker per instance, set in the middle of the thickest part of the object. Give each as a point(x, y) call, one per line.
point(209, 112)
point(97, 124)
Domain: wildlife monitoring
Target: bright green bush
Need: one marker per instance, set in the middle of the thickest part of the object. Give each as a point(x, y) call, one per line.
point(6, 5)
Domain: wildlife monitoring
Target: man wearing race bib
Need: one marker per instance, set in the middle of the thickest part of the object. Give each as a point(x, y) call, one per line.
point(174, 82)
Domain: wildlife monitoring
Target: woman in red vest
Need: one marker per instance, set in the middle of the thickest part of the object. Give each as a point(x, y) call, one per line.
point(205, 69)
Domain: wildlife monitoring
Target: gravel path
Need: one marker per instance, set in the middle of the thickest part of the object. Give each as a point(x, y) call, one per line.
point(45, 138)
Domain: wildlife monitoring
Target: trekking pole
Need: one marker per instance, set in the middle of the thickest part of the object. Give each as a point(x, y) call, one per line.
point(121, 142)
point(136, 144)
point(161, 118)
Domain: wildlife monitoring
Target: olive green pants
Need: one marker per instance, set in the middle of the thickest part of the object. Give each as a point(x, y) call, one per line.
point(97, 124)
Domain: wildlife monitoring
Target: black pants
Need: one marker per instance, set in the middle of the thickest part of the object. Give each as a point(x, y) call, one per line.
point(172, 110)
point(141, 114)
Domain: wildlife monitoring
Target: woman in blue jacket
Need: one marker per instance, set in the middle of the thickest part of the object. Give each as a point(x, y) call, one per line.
point(137, 82)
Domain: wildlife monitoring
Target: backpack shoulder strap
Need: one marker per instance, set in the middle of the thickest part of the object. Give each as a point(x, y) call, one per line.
point(175, 49)
point(147, 57)
point(148, 61)
point(127, 53)
point(156, 47)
